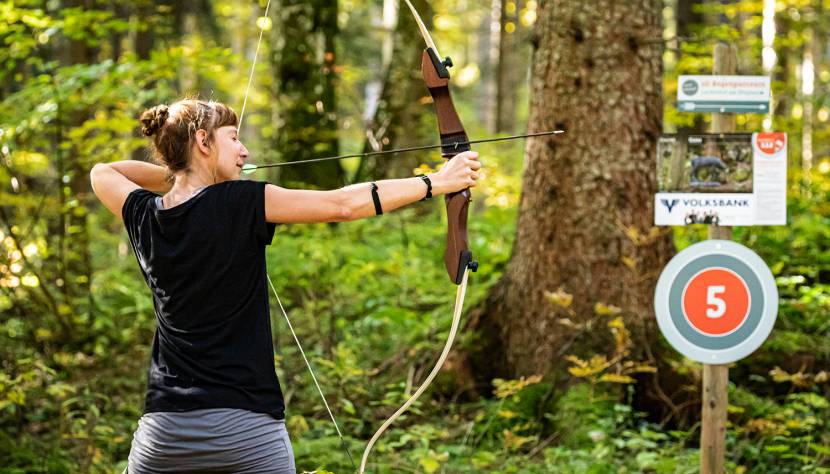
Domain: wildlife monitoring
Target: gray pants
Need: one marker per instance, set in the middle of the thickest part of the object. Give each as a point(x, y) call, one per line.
point(211, 440)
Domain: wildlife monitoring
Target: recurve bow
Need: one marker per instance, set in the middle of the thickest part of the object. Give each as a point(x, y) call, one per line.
point(458, 259)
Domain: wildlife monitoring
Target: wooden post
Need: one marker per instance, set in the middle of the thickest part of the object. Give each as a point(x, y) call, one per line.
point(716, 377)
point(713, 419)
point(726, 64)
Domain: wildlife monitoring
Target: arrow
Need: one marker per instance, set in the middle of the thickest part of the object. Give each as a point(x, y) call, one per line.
point(249, 168)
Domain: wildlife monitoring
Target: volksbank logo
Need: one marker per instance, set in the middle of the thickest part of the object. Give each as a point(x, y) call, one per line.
point(704, 202)
point(669, 204)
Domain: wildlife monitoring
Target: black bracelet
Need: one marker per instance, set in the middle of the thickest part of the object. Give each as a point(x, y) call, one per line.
point(376, 199)
point(429, 187)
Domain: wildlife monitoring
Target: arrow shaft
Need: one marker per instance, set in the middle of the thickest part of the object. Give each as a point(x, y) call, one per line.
point(407, 149)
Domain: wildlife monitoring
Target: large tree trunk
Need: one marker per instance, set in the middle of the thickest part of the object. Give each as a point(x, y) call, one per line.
point(586, 213)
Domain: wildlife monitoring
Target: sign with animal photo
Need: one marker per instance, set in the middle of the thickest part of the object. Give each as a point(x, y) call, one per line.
point(723, 179)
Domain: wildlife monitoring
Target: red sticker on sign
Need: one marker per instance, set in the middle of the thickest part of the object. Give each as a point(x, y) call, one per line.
point(716, 301)
point(771, 143)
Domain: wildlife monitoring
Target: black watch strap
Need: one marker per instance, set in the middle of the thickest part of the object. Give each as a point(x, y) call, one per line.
point(376, 199)
point(429, 186)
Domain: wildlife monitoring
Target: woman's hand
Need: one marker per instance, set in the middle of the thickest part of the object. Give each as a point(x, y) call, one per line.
point(460, 172)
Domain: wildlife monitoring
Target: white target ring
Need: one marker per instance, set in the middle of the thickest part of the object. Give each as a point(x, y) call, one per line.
point(716, 302)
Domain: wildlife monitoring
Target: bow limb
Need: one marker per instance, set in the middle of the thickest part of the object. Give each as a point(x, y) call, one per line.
point(456, 318)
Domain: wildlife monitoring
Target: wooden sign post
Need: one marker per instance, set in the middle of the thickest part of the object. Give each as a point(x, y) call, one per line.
point(716, 301)
point(716, 377)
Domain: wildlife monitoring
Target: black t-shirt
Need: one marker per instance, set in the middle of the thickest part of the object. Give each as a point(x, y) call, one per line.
point(204, 261)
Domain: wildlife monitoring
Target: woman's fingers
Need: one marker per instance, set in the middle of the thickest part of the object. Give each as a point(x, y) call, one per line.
point(463, 169)
point(472, 165)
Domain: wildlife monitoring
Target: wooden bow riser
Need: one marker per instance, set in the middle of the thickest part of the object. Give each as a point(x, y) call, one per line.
point(457, 256)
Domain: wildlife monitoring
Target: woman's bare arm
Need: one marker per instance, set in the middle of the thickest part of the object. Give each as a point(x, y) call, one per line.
point(289, 206)
point(113, 182)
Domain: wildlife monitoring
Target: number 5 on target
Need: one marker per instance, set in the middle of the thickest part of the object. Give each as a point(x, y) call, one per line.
point(713, 300)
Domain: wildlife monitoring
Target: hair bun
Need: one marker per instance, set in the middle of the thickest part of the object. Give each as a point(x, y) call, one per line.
point(153, 119)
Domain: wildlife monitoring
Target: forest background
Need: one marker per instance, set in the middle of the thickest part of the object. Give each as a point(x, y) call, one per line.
point(370, 299)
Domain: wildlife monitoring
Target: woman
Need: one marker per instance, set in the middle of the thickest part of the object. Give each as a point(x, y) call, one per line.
point(213, 400)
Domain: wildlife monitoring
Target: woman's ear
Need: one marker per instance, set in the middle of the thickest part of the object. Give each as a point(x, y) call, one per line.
point(202, 141)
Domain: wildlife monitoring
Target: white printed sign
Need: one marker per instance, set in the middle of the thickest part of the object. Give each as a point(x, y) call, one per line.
point(714, 183)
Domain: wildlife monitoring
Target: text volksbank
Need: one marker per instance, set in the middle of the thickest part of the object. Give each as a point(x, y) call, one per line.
point(706, 203)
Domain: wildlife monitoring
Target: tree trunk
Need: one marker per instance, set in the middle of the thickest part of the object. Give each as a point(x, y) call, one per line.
point(142, 45)
point(398, 102)
point(690, 20)
point(509, 70)
point(304, 65)
point(586, 213)
point(77, 260)
point(504, 68)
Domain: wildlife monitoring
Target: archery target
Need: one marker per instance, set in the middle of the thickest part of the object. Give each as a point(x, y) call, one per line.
point(716, 302)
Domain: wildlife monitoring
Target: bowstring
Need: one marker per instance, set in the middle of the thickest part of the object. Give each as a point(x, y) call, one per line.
point(313, 377)
point(253, 65)
point(268, 277)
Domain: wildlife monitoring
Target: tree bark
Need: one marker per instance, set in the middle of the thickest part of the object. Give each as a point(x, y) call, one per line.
point(586, 212)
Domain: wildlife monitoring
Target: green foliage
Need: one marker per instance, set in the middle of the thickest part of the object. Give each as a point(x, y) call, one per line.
point(788, 435)
point(600, 435)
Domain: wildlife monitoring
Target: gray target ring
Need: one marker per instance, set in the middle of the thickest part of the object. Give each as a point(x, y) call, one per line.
point(716, 302)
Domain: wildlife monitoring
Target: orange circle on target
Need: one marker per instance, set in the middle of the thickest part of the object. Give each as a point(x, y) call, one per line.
point(716, 301)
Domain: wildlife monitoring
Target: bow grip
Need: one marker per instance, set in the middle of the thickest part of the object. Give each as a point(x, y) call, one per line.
point(457, 256)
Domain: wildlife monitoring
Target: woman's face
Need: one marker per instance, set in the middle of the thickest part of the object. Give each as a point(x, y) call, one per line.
point(231, 154)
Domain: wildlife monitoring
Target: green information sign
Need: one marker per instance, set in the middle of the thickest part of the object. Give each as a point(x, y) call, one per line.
point(719, 94)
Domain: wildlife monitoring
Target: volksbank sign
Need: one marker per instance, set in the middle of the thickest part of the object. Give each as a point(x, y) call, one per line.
point(671, 203)
point(740, 94)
